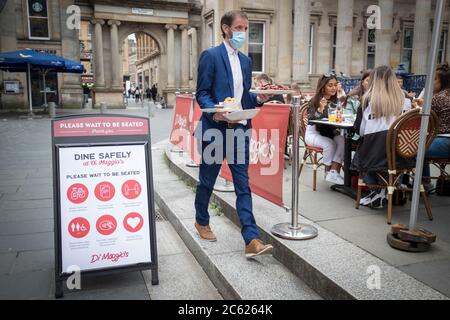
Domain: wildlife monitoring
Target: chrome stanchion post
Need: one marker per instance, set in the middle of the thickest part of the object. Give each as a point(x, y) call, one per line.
point(294, 230)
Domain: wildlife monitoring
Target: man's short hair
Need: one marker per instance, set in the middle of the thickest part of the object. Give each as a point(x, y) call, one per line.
point(229, 17)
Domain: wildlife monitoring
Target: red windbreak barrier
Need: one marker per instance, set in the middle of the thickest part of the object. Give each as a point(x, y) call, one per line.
point(180, 125)
point(267, 152)
point(194, 154)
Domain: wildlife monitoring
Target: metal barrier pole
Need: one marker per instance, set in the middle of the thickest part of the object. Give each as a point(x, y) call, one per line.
point(294, 230)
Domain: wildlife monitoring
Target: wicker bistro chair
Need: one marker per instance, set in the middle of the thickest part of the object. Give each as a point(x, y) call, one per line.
point(314, 154)
point(402, 140)
point(440, 164)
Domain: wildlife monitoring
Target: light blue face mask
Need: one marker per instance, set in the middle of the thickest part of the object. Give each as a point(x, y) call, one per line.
point(238, 40)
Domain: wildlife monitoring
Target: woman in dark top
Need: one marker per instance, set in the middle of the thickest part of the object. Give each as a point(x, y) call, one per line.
point(440, 148)
point(323, 136)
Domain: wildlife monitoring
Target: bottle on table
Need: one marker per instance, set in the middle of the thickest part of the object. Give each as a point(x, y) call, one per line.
point(339, 115)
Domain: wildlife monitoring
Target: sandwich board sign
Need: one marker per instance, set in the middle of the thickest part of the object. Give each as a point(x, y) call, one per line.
point(103, 196)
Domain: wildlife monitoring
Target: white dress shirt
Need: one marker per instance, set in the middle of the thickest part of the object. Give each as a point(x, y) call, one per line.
point(235, 64)
point(238, 80)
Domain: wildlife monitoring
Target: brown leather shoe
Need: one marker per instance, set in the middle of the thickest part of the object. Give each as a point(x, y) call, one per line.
point(256, 248)
point(205, 232)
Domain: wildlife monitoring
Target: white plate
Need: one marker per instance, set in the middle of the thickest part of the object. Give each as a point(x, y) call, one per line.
point(242, 115)
point(273, 92)
point(214, 110)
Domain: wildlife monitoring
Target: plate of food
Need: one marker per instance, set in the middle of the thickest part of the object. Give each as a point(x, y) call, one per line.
point(241, 115)
point(273, 89)
point(229, 105)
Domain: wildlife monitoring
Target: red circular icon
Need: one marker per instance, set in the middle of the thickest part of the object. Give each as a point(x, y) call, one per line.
point(133, 222)
point(77, 193)
point(79, 228)
point(106, 225)
point(104, 191)
point(131, 189)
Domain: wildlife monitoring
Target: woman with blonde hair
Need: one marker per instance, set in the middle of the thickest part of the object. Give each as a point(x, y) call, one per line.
point(383, 102)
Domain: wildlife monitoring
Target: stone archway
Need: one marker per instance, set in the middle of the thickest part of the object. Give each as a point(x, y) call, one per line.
point(149, 71)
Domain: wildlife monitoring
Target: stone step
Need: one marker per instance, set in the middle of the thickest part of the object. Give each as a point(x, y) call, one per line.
point(224, 261)
point(332, 267)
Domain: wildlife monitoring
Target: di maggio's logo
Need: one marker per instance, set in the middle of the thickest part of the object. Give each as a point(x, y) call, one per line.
point(262, 151)
point(113, 257)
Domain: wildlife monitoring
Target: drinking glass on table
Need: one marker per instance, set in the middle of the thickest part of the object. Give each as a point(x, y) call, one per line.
point(331, 113)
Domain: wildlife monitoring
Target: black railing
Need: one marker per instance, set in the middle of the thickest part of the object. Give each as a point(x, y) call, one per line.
point(412, 82)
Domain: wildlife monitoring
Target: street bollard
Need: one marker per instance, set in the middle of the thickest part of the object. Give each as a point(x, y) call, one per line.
point(151, 107)
point(52, 109)
point(103, 108)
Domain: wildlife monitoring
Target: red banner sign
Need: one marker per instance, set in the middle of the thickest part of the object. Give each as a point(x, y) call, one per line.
point(196, 115)
point(180, 125)
point(267, 146)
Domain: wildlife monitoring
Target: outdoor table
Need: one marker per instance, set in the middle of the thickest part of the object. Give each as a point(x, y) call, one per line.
point(348, 128)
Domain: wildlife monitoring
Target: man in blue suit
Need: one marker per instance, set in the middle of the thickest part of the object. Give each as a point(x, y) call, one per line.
point(225, 72)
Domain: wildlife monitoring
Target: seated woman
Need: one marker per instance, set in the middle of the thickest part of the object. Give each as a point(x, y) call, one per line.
point(298, 92)
point(383, 102)
point(440, 147)
point(354, 98)
point(323, 136)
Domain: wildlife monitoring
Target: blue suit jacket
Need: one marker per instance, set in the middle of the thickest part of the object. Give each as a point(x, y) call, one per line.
point(215, 84)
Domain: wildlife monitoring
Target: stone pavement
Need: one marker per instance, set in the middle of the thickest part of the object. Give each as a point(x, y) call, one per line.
point(367, 228)
point(26, 225)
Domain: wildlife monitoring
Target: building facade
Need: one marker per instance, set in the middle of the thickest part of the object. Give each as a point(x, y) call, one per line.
point(291, 40)
point(298, 40)
point(40, 25)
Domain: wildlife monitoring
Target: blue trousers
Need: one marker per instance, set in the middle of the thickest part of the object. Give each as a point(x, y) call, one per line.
point(439, 148)
point(208, 175)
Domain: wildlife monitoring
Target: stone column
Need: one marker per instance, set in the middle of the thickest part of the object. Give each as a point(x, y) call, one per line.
point(146, 46)
point(99, 76)
point(384, 35)
point(344, 37)
point(138, 45)
point(422, 36)
point(284, 19)
point(71, 92)
point(115, 55)
point(184, 56)
point(300, 64)
point(171, 55)
point(194, 55)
